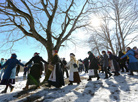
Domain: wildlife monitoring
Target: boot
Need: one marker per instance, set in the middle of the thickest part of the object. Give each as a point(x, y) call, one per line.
point(110, 75)
point(11, 88)
point(25, 88)
point(98, 78)
point(89, 79)
point(70, 83)
point(78, 83)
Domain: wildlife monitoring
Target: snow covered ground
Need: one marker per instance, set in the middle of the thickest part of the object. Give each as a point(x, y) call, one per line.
point(123, 88)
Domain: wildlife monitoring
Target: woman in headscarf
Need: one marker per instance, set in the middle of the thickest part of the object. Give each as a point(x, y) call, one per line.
point(74, 75)
point(10, 72)
point(93, 66)
point(56, 77)
point(35, 71)
point(133, 62)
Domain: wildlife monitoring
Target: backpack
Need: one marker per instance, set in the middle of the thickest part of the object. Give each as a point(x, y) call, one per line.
point(135, 54)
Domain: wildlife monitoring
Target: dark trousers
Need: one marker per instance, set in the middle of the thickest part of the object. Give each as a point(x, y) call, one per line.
point(65, 70)
point(86, 68)
point(122, 66)
point(106, 72)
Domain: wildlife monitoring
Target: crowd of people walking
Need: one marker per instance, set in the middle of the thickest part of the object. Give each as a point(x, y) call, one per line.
point(107, 63)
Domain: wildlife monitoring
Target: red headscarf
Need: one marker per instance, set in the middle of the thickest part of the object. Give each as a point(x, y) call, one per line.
point(56, 51)
point(109, 52)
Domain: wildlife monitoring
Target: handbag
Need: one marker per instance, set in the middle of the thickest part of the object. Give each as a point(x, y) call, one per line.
point(50, 67)
point(75, 65)
point(91, 72)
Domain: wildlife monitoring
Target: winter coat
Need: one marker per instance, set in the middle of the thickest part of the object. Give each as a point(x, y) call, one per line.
point(36, 69)
point(115, 63)
point(122, 61)
point(11, 64)
point(56, 78)
point(105, 61)
point(86, 62)
point(130, 54)
point(70, 65)
point(93, 62)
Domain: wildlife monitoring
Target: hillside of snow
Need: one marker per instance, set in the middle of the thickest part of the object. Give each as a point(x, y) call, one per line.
point(123, 88)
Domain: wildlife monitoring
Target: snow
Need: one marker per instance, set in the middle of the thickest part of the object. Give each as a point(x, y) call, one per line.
point(123, 88)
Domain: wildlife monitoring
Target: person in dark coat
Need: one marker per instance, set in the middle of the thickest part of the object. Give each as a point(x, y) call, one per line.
point(105, 65)
point(133, 62)
point(93, 65)
point(114, 64)
point(35, 71)
point(10, 71)
point(122, 62)
point(56, 77)
point(86, 64)
point(65, 68)
point(101, 64)
point(18, 69)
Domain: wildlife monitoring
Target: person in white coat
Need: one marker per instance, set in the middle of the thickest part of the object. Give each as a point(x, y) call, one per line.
point(74, 75)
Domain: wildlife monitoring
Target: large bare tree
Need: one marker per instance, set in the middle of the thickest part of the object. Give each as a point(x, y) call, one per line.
point(50, 22)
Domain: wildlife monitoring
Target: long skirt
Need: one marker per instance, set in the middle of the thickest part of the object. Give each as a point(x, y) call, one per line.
point(56, 77)
point(133, 66)
point(34, 75)
point(11, 79)
point(74, 77)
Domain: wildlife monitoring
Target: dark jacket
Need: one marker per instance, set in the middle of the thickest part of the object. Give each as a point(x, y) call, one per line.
point(122, 61)
point(115, 63)
point(36, 69)
point(64, 62)
point(93, 62)
point(105, 60)
point(59, 75)
point(10, 63)
point(86, 62)
point(36, 60)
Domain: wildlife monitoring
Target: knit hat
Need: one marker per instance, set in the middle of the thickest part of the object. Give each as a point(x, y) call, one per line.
point(14, 56)
point(89, 52)
point(72, 54)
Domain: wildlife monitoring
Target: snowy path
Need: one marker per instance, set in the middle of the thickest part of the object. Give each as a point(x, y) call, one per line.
point(121, 88)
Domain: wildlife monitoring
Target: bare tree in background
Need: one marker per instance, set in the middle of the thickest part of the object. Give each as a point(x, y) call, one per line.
point(119, 24)
point(103, 36)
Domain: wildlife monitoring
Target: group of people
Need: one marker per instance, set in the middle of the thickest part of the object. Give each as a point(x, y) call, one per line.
point(108, 63)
